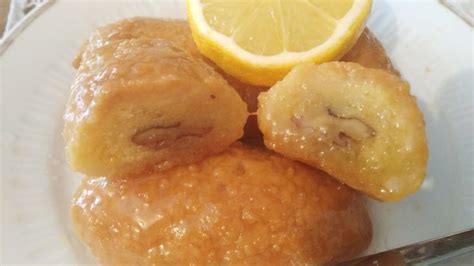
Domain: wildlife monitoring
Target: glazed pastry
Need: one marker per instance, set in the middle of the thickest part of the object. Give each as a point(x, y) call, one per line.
point(358, 124)
point(179, 34)
point(369, 52)
point(242, 207)
point(175, 31)
point(141, 105)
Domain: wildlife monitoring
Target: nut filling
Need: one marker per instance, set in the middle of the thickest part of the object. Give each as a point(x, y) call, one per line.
point(160, 137)
point(341, 130)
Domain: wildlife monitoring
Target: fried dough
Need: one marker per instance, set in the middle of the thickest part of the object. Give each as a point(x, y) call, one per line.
point(242, 207)
point(358, 124)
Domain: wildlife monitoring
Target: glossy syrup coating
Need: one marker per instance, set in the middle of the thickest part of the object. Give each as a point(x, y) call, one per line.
point(358, 124)
point(142, 105)
point(369, 52)
point(177, 32)
point(242, 207)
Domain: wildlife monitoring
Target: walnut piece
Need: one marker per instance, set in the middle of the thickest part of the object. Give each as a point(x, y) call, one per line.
point(341, 130)
point(160, 137)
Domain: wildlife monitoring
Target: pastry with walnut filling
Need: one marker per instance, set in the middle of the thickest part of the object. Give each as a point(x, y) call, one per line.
point(358, 124)
point(142, 104)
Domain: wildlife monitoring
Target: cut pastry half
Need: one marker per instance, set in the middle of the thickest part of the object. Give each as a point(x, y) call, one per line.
point(358, 124)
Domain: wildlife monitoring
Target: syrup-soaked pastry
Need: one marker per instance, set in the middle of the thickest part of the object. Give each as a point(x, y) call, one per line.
point(142, 105)
point(369, 52)
point(360, 125)
point(244, 206)
point(177, 32)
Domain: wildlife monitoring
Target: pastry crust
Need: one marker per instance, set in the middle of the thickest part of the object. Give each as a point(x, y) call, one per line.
point(242, 207)
point(177, 32)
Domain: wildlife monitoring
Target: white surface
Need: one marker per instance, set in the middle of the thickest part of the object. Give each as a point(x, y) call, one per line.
point(431, 46)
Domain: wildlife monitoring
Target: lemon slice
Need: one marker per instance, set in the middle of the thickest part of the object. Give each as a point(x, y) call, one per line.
point(259, 41)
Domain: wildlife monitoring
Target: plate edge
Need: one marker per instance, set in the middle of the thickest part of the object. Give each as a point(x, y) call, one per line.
point(10, 36)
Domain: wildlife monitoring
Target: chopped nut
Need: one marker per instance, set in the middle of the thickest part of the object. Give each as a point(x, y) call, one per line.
point(341, 130)
point(351, 129)
point(160, 137)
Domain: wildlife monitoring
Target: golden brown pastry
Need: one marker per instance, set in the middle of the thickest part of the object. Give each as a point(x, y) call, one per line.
point(177, 32)
point(358, 124)
point(141, 104)
point(241, 207)
point(369, 52)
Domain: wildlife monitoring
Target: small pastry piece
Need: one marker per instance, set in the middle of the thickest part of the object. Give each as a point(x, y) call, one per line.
point(369, 52)
point(358, 124)
point(241, 207)
point(142, 105)
point(177, 32)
